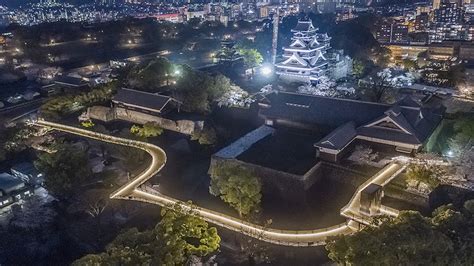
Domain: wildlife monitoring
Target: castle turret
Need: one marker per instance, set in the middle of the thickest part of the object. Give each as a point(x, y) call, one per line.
point(305, 58)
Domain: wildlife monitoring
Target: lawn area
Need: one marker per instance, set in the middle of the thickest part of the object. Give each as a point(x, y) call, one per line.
point(439, 140)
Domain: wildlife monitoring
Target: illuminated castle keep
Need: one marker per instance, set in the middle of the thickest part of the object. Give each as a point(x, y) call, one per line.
point(305, 58)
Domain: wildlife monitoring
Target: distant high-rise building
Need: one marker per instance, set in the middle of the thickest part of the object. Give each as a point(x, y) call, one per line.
point(395, 32)
point(326, 6)
point(442, 32)
point(423, 9)
point(106, 2)
point(448, 13)
point(384, 33)
point(422, 22)
point(399, 33)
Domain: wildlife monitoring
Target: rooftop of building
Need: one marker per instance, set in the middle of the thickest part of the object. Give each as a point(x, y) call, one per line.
point(70, 81)
point(25, 168)
point(9, 183)
point(304, 25)
point(406, 121)
point(284, 150)
point(151, 101)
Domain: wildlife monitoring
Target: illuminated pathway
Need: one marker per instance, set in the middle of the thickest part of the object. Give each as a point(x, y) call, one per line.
point(134, 190)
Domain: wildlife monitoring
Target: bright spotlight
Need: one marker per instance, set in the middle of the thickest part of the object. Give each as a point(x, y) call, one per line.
point(266, 70)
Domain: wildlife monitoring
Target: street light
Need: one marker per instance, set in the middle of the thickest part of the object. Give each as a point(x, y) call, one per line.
point(266, 70)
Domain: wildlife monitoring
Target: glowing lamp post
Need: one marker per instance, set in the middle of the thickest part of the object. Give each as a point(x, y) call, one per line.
point(266, 70)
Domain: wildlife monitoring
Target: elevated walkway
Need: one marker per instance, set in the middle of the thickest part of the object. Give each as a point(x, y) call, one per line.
point(136, 190)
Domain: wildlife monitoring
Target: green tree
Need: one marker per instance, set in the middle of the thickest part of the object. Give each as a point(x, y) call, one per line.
point(16, 138)
point(197, 90)
point(456, 75)
point(409, 64)
point(378, 87)
point(426, 174)
point(358, 68)
point(382, 56)
point(149, 129)
point(238, 187)
point(183, 234)
point(65, 170)
point(192, 92)
point(129, 248)
point(207, 136)
point(463, 137)
point(252, 58)
point(131, 157)
point(178, 236)
point(151, 75)
point(58, 107)
point(411, 239)
point(87, 124)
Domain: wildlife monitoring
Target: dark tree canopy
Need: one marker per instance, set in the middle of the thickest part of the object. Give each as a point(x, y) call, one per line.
point(238, 187)
point(178, 236)
point(65, 170)
point(446, 238)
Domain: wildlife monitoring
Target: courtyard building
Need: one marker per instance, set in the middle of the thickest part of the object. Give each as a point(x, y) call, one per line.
point(405, 125)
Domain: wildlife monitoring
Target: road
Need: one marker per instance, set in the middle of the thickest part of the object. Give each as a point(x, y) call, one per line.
point(136, 190)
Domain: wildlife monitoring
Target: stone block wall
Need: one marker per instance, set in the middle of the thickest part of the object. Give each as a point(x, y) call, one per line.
point(107, 114)
point(288, 186)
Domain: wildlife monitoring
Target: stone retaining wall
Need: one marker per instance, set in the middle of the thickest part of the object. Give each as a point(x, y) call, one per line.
point(107, 114)
point(288, 186)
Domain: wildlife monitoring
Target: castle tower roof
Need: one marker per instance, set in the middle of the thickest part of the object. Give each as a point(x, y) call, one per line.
point(305, 26)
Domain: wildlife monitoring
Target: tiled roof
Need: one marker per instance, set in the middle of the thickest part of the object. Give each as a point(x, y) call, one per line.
point(154, 102)
point(8, 183)
point(303, 26)
point(339, 138)
point(25, 168)
point(347, 115)
point(320, 110)
point(68, 80)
